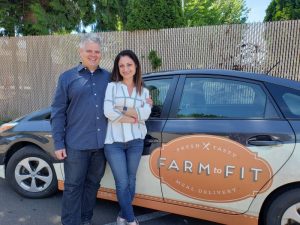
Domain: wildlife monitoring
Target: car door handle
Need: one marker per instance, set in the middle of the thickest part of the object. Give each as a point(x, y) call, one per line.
point(264, 140)
point(264, 143)
point(151, 140)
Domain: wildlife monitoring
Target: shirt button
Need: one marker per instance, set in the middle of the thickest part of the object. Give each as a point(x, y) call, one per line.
point(94, 84)
point(98, 118)
point(96, 106)
point(98, 129)
point(95, 94)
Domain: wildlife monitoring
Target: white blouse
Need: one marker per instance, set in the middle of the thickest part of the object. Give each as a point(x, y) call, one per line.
point(117, 95)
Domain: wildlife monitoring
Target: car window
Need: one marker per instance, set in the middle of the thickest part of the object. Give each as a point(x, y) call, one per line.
point(158, 90)
point(222, 98)
point(288, 100)
point(293, 103)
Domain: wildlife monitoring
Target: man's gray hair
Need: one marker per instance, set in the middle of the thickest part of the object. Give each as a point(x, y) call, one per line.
point(89, 37)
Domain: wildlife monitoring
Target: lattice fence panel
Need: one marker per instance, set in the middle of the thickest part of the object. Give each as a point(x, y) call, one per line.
point(30, 65)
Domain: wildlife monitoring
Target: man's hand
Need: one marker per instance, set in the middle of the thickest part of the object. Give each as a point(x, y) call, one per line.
point(61, 154)
point(149, 101)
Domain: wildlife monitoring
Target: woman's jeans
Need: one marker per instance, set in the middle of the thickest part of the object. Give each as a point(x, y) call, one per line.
point(124, 159)
point(83, 172)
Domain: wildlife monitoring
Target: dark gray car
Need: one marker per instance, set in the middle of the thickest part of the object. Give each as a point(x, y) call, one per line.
point(221, 145)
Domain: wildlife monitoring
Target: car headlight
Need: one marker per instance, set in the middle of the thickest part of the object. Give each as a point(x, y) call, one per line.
point(7, 126)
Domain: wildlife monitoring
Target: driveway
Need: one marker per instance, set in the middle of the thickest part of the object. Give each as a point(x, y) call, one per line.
point(16, 210)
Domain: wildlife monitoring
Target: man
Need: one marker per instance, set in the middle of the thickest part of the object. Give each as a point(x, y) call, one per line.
point(79, 127)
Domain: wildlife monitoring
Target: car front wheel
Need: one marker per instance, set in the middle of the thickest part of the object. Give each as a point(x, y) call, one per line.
point(31, 173)
point(285, 209)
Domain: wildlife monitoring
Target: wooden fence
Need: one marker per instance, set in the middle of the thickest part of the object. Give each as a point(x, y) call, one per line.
point(31, 65)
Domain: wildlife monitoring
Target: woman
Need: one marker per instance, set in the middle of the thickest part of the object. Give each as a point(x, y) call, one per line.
point(126, 108)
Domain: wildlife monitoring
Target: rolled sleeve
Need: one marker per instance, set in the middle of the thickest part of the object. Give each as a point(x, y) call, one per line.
point(144, 112)
point(109, 110)
point(58, 115)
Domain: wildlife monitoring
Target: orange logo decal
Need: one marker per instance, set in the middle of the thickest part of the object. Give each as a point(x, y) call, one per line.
point(211, 168)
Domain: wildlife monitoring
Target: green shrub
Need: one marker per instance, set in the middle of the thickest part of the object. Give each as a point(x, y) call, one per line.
point(154, 59)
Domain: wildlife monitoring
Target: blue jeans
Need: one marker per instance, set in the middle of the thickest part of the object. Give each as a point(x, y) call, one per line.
point(83, 172)
point(124, 159)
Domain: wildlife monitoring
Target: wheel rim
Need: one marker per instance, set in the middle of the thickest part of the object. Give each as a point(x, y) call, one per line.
point(292, 215)
point(33, 174)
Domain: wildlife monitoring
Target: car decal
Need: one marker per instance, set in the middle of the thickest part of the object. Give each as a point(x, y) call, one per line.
point(211, 168)
point(179, 207)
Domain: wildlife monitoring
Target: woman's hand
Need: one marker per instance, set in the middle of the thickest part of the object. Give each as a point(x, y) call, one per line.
point(128, 119)
point(131, 112)
point(119, 108)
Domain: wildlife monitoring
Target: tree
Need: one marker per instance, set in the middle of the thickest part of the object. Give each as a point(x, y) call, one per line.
point(48, 17)
point(9, 17)
point(283, 10)
point(153, 14)
point(110, 15)
point(36, 17)
point(215, 12)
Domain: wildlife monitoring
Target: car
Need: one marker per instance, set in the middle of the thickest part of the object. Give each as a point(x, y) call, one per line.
point(222, 145)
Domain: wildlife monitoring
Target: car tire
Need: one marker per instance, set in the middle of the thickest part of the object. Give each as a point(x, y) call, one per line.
point(31, 174)
point(285, 209)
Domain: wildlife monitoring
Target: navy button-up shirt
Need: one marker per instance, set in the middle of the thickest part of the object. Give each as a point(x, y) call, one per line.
point(77, 116)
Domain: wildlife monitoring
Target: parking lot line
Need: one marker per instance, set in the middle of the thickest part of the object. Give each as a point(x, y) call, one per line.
point(146, 217)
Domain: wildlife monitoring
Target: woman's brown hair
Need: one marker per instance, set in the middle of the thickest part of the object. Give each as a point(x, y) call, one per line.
point(137, 79)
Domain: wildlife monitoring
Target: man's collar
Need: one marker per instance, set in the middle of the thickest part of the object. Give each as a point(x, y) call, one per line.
point(81, 67)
